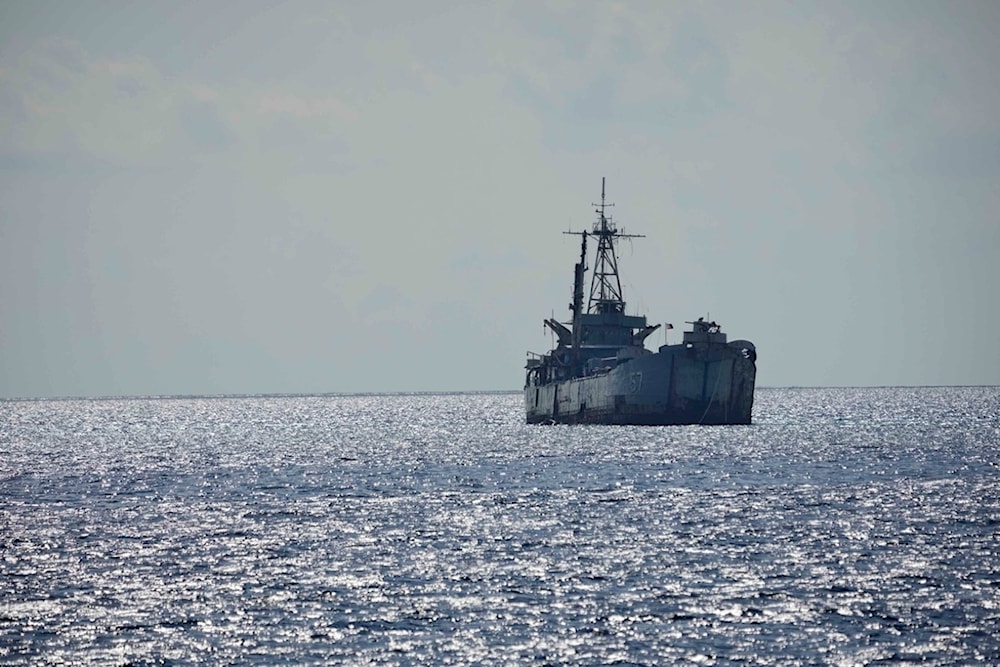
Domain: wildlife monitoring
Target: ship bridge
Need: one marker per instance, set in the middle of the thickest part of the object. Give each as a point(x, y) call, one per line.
point(609, 328)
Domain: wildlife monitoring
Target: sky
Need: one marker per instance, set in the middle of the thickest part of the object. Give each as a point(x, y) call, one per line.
point(311, 197)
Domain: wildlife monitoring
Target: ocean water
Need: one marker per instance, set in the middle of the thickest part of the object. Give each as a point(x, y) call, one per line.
point(844, 527)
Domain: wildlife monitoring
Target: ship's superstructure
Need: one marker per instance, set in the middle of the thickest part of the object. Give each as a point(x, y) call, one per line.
point(601, 372)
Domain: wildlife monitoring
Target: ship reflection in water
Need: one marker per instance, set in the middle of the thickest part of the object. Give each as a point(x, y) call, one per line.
point(600, 371)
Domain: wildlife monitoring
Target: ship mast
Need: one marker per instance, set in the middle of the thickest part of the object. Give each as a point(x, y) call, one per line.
point(605, 285)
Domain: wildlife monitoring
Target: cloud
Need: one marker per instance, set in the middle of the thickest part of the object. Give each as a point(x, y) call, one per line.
point(335, 189)
point(205, 125)
point(303, 107)
point(58, 102)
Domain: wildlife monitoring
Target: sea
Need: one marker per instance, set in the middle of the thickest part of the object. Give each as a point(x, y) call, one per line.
point(845, 526)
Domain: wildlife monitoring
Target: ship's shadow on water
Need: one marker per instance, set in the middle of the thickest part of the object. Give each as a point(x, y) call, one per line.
point(844, 526)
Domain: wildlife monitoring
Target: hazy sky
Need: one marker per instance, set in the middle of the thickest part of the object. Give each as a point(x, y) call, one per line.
point(369, 196)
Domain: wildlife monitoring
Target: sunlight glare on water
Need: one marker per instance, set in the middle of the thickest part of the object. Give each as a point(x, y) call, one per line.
point(845, 526)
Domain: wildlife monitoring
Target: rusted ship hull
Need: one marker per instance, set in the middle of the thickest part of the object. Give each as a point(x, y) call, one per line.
point(677, 385)
point(600, 371)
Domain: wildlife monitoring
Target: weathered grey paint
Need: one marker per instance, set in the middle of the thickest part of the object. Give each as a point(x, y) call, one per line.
point(600, 371)
point(700, 384)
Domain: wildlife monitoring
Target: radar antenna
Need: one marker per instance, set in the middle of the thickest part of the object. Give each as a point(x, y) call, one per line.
point(605, 285)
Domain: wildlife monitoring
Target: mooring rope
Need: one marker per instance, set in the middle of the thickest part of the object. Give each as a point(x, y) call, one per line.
point(711, 398)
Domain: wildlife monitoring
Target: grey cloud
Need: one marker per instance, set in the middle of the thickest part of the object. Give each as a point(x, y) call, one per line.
point(316, 197)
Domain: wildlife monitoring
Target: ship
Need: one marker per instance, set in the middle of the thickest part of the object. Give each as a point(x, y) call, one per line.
point(601, 372)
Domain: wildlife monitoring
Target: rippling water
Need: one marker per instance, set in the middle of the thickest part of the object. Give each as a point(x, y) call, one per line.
point(846, 526)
